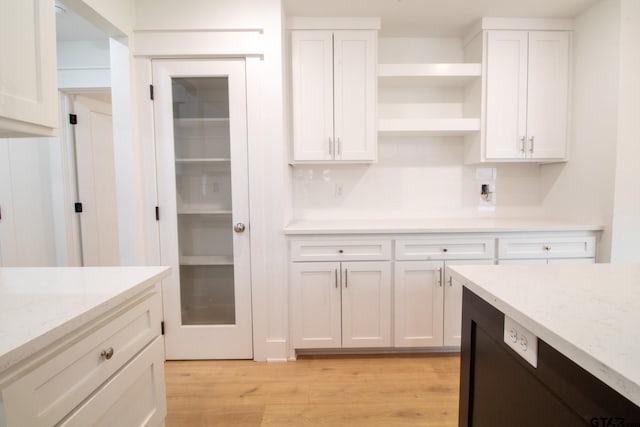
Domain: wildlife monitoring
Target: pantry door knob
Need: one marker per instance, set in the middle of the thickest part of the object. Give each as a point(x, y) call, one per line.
point(239, 227)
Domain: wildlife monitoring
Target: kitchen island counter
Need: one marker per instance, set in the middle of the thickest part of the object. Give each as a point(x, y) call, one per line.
point(588, 313)
point(40, 305)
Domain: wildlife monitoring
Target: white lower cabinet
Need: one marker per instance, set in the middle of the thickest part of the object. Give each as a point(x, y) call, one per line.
point(109, 372)
point(341, 304)
point(453, 303)
point(418, 303)
point(342, 294)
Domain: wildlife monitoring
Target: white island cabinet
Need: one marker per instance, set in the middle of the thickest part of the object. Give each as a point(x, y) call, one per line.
point(81, 346)
point(28, 86)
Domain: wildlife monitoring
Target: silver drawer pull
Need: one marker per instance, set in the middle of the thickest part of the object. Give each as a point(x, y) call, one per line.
point(107, 354)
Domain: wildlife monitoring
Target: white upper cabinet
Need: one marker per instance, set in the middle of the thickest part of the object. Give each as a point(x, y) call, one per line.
point(334, 95)
point(527, 95)
point(28, 88)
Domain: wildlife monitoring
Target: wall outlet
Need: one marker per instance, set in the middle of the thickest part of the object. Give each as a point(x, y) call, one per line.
point(338, 190)
point(521, 340)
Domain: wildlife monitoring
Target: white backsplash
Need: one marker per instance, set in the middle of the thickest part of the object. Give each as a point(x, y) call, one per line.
point(413, 178)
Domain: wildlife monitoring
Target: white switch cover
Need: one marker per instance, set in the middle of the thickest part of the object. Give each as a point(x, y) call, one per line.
point(521, 340)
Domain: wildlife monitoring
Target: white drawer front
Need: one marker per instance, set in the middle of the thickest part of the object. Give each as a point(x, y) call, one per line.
point(47, 394)
point(133, 398)
point(443, 249)
point(551, 247)
point(347, 250)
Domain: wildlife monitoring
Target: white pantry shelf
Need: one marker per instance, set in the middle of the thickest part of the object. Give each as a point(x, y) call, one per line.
point(200, 211)
point(204, 160)
point(428, 127)
point(206, 260)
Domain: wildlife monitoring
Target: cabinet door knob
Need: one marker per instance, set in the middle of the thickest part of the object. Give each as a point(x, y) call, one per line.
point(340, 251)
point(107, 353)
point(445, 250)
point(239, 227)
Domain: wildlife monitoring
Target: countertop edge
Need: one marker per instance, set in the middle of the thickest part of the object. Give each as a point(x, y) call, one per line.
point(350, 227)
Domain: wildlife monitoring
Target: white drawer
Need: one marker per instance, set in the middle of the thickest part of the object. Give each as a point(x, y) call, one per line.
point(71, 373)
point(133, 398)
point(437, 249)
point(547, 247)
point(345, 250)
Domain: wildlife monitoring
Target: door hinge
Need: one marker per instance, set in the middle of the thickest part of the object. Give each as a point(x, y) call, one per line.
point(77, 207)
point(157, 213)
point(162, 327)
point(151, 92)
point(73, 119)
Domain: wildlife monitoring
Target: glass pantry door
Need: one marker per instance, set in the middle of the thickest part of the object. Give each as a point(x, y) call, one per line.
point(201, 145)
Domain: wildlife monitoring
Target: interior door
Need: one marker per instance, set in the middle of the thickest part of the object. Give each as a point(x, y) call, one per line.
point(201, 147)
point(95, 164)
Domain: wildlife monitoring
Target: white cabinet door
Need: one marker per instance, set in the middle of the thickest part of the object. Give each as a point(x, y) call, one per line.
point(201, 144)
point(506, 94)
point(418, 303)
point(527, 93)
point(453, 303)
point(315, 304)
point(547, 101)
point(312, 89)
point(28, 87)
point(355, 95)
point(334, 95)
point(366, 304)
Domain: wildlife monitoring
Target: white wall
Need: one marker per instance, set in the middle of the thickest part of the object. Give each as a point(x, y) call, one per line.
point(27, 226)
point(83, 64)
point(413, 178)
point(626, 211)
point(582, 189)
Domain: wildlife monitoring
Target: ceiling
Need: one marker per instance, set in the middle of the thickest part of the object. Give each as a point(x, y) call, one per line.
point(435, 18)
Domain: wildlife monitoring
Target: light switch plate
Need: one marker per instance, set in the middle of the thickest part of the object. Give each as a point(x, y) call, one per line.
point(521, 340)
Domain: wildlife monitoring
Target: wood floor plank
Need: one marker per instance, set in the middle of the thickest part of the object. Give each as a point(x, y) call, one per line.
point(315, 391)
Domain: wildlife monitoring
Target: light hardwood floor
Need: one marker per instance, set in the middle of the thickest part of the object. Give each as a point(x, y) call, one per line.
point(415, 390)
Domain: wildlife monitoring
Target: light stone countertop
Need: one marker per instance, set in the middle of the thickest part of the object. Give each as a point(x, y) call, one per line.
point(589, 313)
point(434, 225)
point(41, 305)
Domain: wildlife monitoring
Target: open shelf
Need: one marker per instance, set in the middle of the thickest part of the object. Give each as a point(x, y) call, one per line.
point(428, 127)
point(199, 121)
point(203, 160)
point(207, 260)
point(420, 75)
